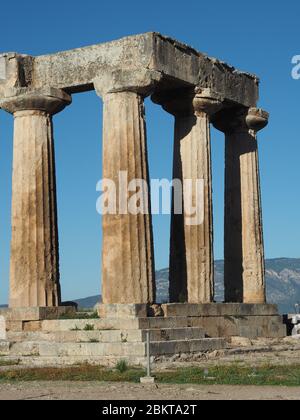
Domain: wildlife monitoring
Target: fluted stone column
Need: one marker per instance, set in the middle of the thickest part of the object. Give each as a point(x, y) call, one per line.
point(34, 270)
point(127, 255)
point(244, 250)
point(191, 247)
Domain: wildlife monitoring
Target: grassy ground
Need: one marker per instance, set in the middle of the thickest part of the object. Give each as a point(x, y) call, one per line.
point(226, 375)
point(4, 363)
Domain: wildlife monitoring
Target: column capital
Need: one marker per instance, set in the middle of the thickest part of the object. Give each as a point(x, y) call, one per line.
point(241, 119)
point(47, 100)
point(141, 81)
point(257, 119)
point(186, 102)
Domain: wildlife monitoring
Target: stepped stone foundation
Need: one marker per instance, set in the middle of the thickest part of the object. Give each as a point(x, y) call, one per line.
point(46, 339)
point(198, 91)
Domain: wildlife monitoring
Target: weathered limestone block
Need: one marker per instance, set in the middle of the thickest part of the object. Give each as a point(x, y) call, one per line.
point(108, 336)
point(24, 349)
point(92, 349)
point(243, 326)
point(127, 256)
point(191, 247)
point(34, 273)
point(2, 328)
point(123, 349)
point(36, 313)
point(96, 324)
point(123, 311)
point(14, 326)
point(179, 65)
point(15, 71)
point(219, 309)
point(4, 348)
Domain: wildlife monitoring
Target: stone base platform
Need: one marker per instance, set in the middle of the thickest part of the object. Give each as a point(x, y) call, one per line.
point(19, 319)
point(216, 319)
point(121, 332)
point(103, 341)
point(36, 313)
point(231, 319)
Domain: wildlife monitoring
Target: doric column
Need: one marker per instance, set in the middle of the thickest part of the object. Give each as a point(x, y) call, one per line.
point(34, 270)
point(127, 254)
point(191, 247)
point(244, 250)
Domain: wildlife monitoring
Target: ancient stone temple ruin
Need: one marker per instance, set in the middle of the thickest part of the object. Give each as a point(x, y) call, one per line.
point(198, 91)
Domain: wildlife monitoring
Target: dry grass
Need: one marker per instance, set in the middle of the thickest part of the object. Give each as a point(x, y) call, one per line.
point(221, 375)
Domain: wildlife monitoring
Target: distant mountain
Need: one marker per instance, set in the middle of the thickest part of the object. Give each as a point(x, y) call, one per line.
point(283, 283)
point(282, 278)
point(88, 302)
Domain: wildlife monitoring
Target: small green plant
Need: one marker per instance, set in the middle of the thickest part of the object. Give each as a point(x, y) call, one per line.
point(94, 315)
point(76, 328)
point(4, 363)
point(89, 327)
point(122, 366)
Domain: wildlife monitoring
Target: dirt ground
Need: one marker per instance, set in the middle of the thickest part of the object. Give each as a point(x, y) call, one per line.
point(245, 352)
point(254, 353)
point(126, 391)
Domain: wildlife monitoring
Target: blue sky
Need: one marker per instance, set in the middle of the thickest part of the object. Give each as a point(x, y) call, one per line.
point(259, 37)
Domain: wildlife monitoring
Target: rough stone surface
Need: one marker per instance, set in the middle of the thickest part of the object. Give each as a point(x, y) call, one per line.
point(2, 68)
point(88, 340)
point(147, 380)
point(123, 311)
point(112, 349)
point(244, 276)
point(244, 326)
point(229, 320)
point(179, 65)
point(2, 328)
point(127, 238)
point(4, 348)
point(191, 253)
point(34, 279)
point(108, 336)
point(240, 342)
point(46, 99)
point(219, 309)
point(34, 270)
point(35, 313)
